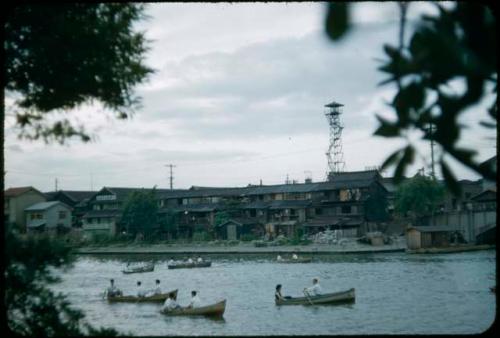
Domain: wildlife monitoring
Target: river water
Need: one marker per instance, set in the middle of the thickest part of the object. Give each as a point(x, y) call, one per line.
point(396, 293)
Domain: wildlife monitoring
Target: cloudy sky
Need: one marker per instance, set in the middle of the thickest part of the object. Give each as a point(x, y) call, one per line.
point(238, 96)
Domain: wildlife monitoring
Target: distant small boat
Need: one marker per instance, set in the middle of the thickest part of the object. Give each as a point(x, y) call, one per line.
point(214, 310)
point(137, 269)
point(204, 264)
point(327, 298)
point(148, 299)
point(297, 260)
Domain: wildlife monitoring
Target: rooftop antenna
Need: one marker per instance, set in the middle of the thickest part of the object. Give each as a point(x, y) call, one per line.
point(335, 154)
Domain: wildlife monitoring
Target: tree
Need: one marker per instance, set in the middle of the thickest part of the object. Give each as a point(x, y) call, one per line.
point(454, 45)
point(418, 196)
point(58, 57)
point(140, 211)
point(31, 308)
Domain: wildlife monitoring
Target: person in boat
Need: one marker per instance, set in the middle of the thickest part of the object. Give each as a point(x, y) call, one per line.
point(112, 290)
point(199, 259)
point(279, 258)
point(190, 260)
point(157, 289)
point(294, 256)
point(195, 300)
point(171, 261)
point(315, 289)
point(170, 303)
point(140, 290)
point(278, 295)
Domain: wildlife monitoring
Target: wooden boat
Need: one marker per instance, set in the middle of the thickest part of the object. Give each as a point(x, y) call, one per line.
point(298, 260)
point(214, 310)
point(327, 298)
point(148, 299)
point(204, 264)
point(137, 269)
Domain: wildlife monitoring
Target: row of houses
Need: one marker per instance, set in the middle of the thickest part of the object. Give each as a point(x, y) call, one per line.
point(352, 202)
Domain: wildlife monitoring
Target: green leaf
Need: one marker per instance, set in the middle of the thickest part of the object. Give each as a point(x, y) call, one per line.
point(337, 20)
point(386, 129)
point(391, 159)
point(407, 159)
point(450, 180)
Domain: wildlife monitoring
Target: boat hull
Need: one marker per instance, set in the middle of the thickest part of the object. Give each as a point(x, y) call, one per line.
point(190, 265)
point(139, 270)
point(299, 260)
point(329, 298)
point(149, 299)
point(214, 310)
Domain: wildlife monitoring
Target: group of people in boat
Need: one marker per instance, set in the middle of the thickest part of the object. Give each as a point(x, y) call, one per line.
point(113, 291)
point(171, 304)
point(189, 260)
point(314, 290)
point(294, 256)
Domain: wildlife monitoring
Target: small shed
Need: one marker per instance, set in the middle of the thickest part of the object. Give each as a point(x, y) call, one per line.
point(234, 228)
point(428, 236)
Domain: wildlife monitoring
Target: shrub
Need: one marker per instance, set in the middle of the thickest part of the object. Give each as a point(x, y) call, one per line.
point(200, 237)
point(248, 237)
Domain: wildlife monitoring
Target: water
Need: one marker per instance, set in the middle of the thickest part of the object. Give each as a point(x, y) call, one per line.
point(396, 293)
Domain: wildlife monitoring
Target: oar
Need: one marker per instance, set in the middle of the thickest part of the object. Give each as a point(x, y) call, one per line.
point(307, 296)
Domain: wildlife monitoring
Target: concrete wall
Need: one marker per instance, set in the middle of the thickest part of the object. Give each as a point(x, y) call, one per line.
point(467, 222)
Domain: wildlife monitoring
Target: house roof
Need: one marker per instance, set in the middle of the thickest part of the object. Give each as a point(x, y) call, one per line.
point(324, 221)
point(74, 195)
point(36, 223)
point(44, 206)
point(238, 222)
point(486, 195)
point(14, 192)
point(102, 213)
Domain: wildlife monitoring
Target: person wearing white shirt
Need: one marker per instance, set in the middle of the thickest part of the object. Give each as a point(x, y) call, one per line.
point(157, 289)
point(195, 300)
point(140, 290)
point(199, 259)
point(315, 289)
point(170, 303)
point(294, 256)
point(190, 260)
point(279, 258)
point(112, 290)
point(171, 261)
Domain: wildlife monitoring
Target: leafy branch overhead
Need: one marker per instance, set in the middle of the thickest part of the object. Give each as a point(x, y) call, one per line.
point(457, 44)
point(58, 57)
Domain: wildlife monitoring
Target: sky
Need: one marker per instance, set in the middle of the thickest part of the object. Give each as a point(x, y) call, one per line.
point(238, 98)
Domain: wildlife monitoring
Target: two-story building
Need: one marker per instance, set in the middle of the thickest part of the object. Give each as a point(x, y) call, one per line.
point(15, 201)
point(78, 200)
point(48, 217)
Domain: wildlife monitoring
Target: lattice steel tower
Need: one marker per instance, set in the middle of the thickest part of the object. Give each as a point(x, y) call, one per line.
point(335, 154)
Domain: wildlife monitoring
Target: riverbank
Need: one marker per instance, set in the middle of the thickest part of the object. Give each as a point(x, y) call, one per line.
point(452, 249)
point(351, 247)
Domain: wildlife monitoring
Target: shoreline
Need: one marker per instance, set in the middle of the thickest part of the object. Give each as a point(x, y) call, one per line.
point(156, 249)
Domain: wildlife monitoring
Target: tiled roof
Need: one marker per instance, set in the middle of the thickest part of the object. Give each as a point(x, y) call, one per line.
point(44, 206)
point(433, 228)
point(13, 192)
point(102, 213)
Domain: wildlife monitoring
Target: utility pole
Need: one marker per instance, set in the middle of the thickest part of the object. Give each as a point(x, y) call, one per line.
point(56, 184)
point(91, 182)
point(171, 175)
point(431, 131)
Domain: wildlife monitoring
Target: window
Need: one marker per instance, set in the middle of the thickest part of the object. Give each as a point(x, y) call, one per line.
point(292, 212)
point(319, 211)
point(32, 216)
point(253, 213)
point(39, 216)
point(62, 214)
point(346, 209)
